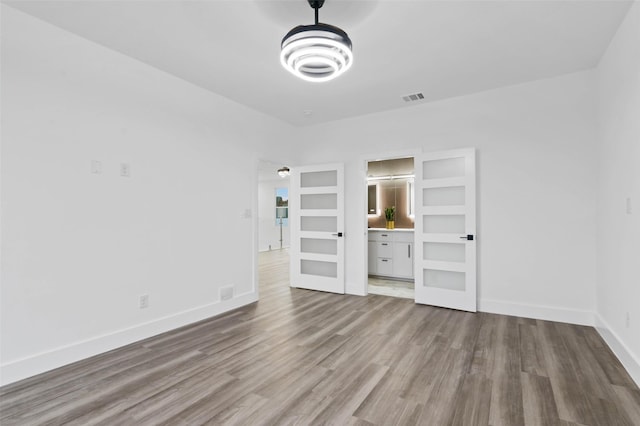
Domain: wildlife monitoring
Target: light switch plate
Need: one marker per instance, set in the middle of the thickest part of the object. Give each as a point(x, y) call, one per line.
point(125, 170)
point(96, 167)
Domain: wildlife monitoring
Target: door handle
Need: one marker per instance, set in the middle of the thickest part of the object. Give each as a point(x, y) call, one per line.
point(467, 237)
point(339, 234)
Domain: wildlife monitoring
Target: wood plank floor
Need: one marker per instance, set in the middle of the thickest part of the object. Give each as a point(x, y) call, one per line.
point(304, 357)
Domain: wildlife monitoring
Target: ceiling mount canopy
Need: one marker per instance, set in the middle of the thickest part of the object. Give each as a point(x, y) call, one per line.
point(318, 52)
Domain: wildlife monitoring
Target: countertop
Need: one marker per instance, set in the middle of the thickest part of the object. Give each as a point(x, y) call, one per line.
point(391, 230)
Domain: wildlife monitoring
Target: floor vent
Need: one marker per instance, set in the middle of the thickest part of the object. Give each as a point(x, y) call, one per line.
point(413, 97)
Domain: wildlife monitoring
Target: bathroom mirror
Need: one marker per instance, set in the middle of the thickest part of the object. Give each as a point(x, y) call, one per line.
point(390, 183)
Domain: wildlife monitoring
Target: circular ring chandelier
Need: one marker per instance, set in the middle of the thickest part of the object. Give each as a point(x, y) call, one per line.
point(318, 52)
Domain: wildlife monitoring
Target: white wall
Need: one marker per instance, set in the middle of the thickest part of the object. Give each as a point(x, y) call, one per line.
point(79, 248)
point(269, 232)
point(618, 282)
point(536, 183)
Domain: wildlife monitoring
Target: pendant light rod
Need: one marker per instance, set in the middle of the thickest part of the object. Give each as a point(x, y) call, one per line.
point(316, 4)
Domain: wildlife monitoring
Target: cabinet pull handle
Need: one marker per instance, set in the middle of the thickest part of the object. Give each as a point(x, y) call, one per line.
point(383, 235)
point(384, 244)
point(409, 250)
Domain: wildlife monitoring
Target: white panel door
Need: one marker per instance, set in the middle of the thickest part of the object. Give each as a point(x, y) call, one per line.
point(445, 226)
point(316, 217)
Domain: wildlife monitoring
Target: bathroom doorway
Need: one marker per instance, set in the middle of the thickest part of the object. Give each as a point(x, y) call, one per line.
point(390, 222)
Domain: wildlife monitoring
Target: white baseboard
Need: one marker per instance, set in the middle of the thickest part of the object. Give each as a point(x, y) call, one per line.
point(355, 290)
point(629, 360)
point(39, 363)
point(548, 313)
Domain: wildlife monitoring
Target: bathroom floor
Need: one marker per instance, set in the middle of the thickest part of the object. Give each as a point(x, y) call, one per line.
point(395, 288)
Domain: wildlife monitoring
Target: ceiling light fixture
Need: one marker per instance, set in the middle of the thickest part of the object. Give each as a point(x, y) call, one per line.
point(390, 177)
point(283, 172)
point(318, 52)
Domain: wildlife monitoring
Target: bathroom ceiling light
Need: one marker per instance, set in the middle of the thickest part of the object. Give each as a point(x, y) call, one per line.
point(390, 177)
point(318, 52)
point(283, 172)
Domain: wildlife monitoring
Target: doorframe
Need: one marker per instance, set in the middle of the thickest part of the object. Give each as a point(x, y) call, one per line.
point(364, 161)
point(255, 226)
point(255, 220)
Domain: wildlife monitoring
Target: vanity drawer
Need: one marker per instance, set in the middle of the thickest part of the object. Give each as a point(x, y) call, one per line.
point(384, 249)
point(380, 236)
point(385, 236)
point(385, 266)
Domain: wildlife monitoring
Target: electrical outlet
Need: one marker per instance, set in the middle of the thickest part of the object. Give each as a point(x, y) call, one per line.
point(627, 321)
point(143, 301)
point(125, 170)
point(629, 209)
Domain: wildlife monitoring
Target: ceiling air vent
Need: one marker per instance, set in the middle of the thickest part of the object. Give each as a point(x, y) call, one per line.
point(413, 97)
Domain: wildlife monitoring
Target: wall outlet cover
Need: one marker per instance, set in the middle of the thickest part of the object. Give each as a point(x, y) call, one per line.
point(143, 301)
point(226, 293)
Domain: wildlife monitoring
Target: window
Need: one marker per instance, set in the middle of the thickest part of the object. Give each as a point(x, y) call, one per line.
point(282, 206)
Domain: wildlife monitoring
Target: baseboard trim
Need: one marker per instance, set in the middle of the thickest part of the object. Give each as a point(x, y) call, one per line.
point(629, 360)
point(355, 290)
point(23, 368)
point(548, 313)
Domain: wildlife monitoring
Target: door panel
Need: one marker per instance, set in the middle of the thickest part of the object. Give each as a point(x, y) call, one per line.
point(445, 262)
point(316, 216)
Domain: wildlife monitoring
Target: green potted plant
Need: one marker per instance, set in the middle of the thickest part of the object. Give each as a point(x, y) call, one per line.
point(390, 215)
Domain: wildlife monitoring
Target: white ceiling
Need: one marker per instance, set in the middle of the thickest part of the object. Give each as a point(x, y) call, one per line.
point(440, 48)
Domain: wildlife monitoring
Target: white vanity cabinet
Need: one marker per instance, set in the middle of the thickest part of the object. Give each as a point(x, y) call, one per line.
point(373, 257)
point(403, 255)
point(391, 253)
